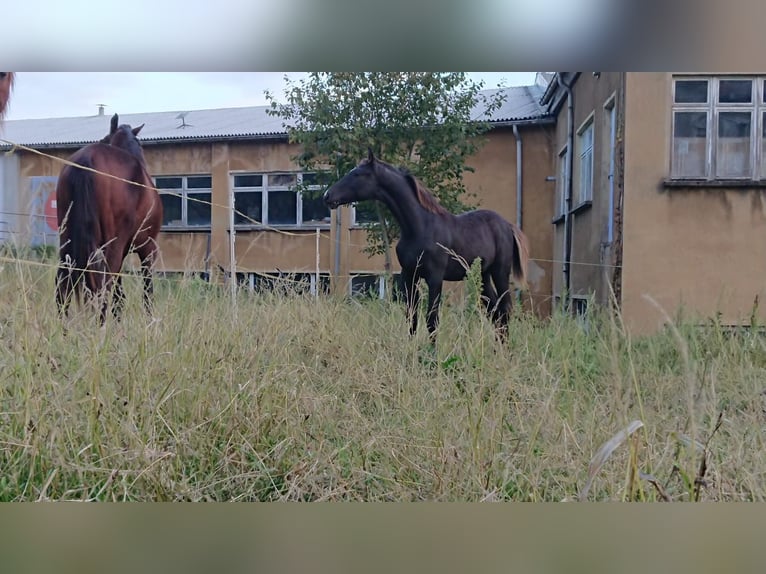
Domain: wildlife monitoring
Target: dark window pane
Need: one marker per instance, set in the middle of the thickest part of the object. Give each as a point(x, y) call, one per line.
point(171, 209)
point(314, 210)
point(364, 286)
point(691, 91)
point(169, 182)
point(282, 179)
point(734, 124)
point(247, 207)
point(283, 206)
point(309, 179)
point(198, 209)
point(365, 212)
point(199, 182)
point(735, 91)
point(248, 180)
point(324, 284)
point(690, 124)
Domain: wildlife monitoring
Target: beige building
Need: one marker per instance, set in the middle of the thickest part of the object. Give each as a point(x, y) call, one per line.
point(663, 206)
point(643, 189)
point(206, 162)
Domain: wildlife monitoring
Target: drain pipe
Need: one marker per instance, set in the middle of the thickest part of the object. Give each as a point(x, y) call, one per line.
point(568, 208)
point(519, 203)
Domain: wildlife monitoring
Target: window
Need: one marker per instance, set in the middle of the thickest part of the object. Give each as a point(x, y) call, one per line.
point(374, 286)
point(285, 283)
point(715, 121)
point(585, 153)
point(363, 213)
point(561, 183)
point(278, 199)
point(185, 200)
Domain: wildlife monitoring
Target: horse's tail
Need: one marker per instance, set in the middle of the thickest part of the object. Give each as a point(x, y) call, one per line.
point(82, 224)
point(520, 257)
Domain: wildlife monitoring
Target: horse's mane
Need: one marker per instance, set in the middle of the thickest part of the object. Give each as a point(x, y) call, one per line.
point(425, 198)
point(125, 140)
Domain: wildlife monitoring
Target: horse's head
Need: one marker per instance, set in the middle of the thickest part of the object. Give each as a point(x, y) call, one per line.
point(359, 184)
point(6, 84)
point(125, 137)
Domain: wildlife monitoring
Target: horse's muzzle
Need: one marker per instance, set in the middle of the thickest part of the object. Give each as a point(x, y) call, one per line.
point(332, 204)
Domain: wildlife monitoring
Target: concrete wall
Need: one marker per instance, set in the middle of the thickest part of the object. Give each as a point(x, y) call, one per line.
point(591, 252)
point(701, 248)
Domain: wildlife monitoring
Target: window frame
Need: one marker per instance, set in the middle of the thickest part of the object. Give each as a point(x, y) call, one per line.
point(184, 192)
point(587, 126)
point(359, 224)
point(561, 183)
point(265, 188)
point(713, 108)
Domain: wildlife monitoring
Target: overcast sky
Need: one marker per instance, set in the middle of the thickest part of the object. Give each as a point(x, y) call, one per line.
point(63, 94)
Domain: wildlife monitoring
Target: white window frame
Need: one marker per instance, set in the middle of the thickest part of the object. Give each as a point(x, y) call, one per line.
point(561, 183)
point(265, 188)
point(380, 281)
point(585, 156)
point(354, 222)
point(757, 108)
point(184, 192)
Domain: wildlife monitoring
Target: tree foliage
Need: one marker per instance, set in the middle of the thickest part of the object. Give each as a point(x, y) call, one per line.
point(427, 122)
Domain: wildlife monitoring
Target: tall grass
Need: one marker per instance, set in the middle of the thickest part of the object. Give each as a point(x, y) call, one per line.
point(286, 397)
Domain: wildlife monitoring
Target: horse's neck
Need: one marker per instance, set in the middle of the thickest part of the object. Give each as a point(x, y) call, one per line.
point(398, 196)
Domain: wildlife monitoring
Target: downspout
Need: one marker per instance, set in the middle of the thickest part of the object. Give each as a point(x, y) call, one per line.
point(519, 203)
point(519, 194)
point(612, 146)
point(568, 209)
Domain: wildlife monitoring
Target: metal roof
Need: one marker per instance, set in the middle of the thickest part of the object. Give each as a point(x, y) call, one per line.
point(248, 123)
point(522, 103)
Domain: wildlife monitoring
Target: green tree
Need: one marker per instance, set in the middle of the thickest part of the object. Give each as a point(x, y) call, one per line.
point(427, 122)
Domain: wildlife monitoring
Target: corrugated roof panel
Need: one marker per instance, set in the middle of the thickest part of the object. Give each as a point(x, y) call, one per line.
point(247, 122)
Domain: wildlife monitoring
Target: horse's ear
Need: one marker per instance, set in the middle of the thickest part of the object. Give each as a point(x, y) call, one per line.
point(113, 128)
point(138, 129)
point(370, 155)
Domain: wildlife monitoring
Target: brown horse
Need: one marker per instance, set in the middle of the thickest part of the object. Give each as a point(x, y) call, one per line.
point(432, 237)
point(102, 219)
point(6, 86)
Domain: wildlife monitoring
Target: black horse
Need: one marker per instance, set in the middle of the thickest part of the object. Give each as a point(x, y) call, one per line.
point(433, 240)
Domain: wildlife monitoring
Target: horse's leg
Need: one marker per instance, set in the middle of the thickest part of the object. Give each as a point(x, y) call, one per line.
point(118, 298)
point(111, 281)
point(489, 294)
point(501, 278)
point(148, 253)
point(64, 290)
point(412, 298)
point(434, 282)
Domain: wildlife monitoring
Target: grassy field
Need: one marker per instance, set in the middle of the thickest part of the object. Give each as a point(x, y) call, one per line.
point(281, 397)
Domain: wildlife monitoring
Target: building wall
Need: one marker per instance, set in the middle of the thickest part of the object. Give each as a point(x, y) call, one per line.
point(700, 248)
point(591, 251)
point(494, 182)
point(294, 249)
